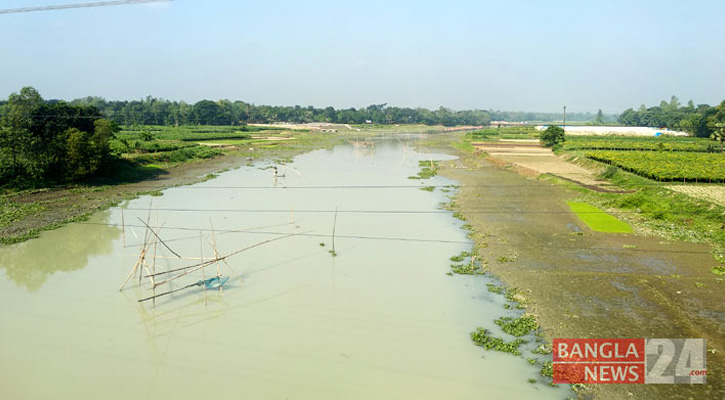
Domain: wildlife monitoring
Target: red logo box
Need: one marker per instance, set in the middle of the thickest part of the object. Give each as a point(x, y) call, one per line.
point(599, 361)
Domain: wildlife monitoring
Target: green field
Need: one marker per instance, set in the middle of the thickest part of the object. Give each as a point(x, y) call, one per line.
point(632, 143)
point(168, 144)
point(667, 166)
point(598, 220)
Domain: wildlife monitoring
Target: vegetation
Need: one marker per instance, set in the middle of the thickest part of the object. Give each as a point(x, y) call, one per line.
point(598, 220)
point(460, 257)
point(482, 337)
point(45, 143)
point(510, 132)
point(636, 143)
point(153, 111)
point(552, 136)
point(523, 116)
point(428, 170)
point(700, 120)
point(467, 264)
point(11, 211)
point(684, 167)
point(518, 326)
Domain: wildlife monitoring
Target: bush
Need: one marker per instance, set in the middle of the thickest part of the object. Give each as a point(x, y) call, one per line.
point(552, 135)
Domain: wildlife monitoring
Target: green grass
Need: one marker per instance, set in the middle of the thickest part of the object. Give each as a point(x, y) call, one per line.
point(598, 220)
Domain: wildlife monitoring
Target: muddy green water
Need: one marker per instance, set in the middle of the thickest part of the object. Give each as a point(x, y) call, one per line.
point(381, 320)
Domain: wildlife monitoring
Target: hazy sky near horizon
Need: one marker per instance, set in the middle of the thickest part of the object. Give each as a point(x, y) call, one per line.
point(534, 55)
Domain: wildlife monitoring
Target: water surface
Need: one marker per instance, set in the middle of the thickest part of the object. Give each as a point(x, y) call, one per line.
point(379, 320)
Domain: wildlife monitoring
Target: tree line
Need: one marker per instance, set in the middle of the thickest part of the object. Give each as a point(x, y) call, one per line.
point(700, 120)
point(155, 111)
point(51, 142)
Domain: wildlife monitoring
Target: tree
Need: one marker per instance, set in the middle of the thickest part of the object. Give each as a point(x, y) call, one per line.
point(19, 111)
point(599, 120)
point(87, 151)
point(719, 134)
point(552, 135)
point(206, 112)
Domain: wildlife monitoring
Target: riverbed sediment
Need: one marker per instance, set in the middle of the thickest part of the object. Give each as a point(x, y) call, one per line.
point(586, 284)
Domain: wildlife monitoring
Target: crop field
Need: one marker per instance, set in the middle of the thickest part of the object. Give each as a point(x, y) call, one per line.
point(715, 194)
point(632, 143)
point(667, 166)
point(494, 134)
point(194, 133)
point(152, 144)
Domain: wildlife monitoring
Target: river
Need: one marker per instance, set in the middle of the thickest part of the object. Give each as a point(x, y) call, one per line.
point(379, 319)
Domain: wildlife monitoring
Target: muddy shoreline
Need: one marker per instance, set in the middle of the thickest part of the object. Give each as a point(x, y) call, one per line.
point(581, 283)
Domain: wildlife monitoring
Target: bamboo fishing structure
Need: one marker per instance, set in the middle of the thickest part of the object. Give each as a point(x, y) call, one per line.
point(146, 264)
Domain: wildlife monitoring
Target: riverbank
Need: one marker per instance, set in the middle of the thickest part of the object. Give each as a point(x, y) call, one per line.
point(581, 283)
point(24, 214)
point(27, 213)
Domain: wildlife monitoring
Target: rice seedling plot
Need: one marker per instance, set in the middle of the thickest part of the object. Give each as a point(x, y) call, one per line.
point(667, 166)
point(598, 220)
point(630, 143)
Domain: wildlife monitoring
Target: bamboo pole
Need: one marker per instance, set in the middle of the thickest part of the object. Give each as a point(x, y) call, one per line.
point(169, 292)
point(123, 229)
point(161, 240)
point(192, 268)
point(201, 254)
point(130, 274)
point(334, 225)
point(213, 246)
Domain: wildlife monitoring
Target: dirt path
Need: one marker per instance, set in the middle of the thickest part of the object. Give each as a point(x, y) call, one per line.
point(593, 285)
point(531, 159)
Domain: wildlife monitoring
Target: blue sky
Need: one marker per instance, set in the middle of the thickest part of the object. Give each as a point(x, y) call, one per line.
point(507, 55)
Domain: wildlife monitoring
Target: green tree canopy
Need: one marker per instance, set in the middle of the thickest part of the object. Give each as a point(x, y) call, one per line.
point(552, 135)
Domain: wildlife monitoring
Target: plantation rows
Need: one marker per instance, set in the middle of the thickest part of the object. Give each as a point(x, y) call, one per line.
point(664, 166)
point(637, 143)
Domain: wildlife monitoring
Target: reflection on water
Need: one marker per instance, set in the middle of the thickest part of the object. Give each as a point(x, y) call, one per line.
point(65, 249)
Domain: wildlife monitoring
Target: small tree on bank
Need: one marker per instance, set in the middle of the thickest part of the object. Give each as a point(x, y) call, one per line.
point(552, 135)
point(719, 134)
